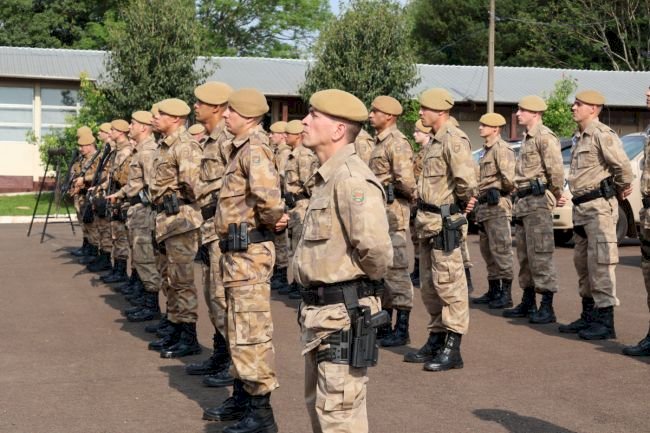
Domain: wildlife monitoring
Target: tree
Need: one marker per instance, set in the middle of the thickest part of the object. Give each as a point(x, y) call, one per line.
point(366, 51)
point(152, 56)
point(558, 114)
point(271, 28)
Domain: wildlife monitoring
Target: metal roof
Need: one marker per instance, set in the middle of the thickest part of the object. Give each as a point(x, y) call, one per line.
point(282, 77)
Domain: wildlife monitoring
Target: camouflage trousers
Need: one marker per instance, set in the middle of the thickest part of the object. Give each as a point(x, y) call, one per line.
point(444, 289)
point(90, 230)
point(464, 249)
point(213, 290)
point(281, 243)
point(495, 241)
point(181, 292)
point(143, 256)
point(246, 276)
point(120, 238)
point(595, 255)
point(535, 246)
point(398, 292)
point(104, 230)
point(644, 236)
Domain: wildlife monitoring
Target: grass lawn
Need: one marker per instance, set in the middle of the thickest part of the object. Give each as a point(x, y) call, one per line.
point(15, 205)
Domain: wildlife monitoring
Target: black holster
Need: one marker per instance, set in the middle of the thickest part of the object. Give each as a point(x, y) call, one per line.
point(537, 187)
point(451, 229)
point(101, 207)
point(87, 214)
point(171, 204)
point(607, 188)
point(390, 193)
point(492, 196)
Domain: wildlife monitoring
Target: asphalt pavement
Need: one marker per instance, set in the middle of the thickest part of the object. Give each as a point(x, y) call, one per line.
point(71, 363)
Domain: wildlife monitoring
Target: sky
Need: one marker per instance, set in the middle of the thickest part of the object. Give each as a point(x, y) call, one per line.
point(334, 4)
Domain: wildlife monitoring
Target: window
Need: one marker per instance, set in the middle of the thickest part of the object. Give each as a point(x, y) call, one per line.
point(56, 106)
point(16, 112)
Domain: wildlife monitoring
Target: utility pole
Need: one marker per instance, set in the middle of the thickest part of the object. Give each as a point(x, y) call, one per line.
point(490, 83)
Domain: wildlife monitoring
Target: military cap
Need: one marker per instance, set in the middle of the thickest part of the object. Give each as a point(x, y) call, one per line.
point(197, 128)
point(437, 99)
point(492, 119)
point(105, 127)
point(420, 127)
point(278, 127)
point(154, 109)
point(294, 127)
point(533, 103)
point(120, 125)
point(591, 97)
point(85, 139)
point(213, 92)
point(339, 103)
point(248, 102)
point(83, 130)
point(174, 107)
point(143, 117)
point(388, 105)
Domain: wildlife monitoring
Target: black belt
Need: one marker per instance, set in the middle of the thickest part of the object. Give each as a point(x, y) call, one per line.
point(161, 207)
point(208, 211)
point(435, 209)
point(521, 193)
point(482, 199)
point(587, 197)
point(646, 202)
point(255, 236)
point(135, 200)
point(329, 294)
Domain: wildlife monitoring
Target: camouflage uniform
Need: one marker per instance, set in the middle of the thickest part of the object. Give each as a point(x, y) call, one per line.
point(281, 241)
point(176, 167)
point(497, 170)
point(301, 165)
point(392, 162)
point(363, 145)
point(119, 174)
point(250, 194)
point(80, 201)
point(448, 177)
point(103, 222)
point(596, 155)
point(345, 237)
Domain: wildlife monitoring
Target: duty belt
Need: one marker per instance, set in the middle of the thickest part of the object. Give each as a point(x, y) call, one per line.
point(587, 197)
point(435, 209)
point(329, 294)
point(524, 192)
point(482, 199)
point(255, 236)
point(135, 200)
point(209, 210)
point(161, 207)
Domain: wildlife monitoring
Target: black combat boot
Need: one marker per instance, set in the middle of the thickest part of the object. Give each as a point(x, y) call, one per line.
point(101, 263)
point(503, 298)
point(167, 340)
point(545, 314)
point(128, 286)
point(233, 408)
point(583, 321)
point(526, 308)
point(415, 275)
point(468, 277)
point(82, 250)
point(294, 291)
point(215, 363)
point(120, 275)
point(493, 286)
point(385, 330)
point(257, 419)
point(219, 380)
point(449, 357)
point(427, 352)
point(134, 291)
point(153, 328)
point(279, 279)
point(90, 257)
point(641, 349)
point(601, 327)
point(149, 311)
point(400, 335)
point(187, 343)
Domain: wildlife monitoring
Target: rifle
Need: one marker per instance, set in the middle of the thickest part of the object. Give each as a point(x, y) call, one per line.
point(67, 184)
point(82, 173)
point(87, 212)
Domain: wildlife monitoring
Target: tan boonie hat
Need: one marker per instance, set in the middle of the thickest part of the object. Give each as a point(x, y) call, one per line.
point(105, 127)
point(82, 130)
point(294, 127)
point(120, 125)
point(278, 127)
point(420, 127)
point(197, 128)
point(85, 139)
point(213, 93)
point(591, 97)
point(388, 105)
point(143, 117)
point(248, 102)
point(154, 109)
point(339, 103)
point(492, 119)
point(533, 103)
point(174, 107)
point(437, 99)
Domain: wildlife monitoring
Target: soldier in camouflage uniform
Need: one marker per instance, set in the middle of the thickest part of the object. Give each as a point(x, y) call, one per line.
point(422, 137)
point(211, 103)
point(249, 210)
point(539, 182)
point(391, 161)
point(600, 172)
point(278, 142)
point(363, 145)
point(446, 189)
point(173, 193)
point(642, 348)
point(494, 209)
point(199, 133)
point(344, 245)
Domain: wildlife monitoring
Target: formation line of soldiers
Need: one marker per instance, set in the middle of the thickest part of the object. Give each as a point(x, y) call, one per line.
point(318, 203)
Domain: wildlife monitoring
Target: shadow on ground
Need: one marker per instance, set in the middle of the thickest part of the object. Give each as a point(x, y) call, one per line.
point(516, 423)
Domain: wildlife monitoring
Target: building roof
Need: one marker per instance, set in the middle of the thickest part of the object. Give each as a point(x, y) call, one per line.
point(282, 77)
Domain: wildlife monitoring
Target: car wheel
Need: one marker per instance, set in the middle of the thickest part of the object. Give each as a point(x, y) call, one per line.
point(621, 225)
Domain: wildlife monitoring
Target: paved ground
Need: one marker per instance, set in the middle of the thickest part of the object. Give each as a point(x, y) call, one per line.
point(70, 363)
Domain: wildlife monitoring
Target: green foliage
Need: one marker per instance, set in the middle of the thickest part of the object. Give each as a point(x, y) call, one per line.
point(366, 52)
point(270, 28)
point(558, 115)
point(154, 47)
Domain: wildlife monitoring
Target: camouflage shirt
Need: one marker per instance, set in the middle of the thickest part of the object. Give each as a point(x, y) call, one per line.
point(497, 170)
point(363, 145)
point(645, 176)
point(298, 180)
point(391, 161)
point(213, 162)
point(141, 169)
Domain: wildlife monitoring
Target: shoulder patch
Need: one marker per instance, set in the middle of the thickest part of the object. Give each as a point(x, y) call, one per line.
point(358, 196)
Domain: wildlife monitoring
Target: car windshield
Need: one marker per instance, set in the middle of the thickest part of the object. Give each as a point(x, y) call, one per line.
point(633, 144)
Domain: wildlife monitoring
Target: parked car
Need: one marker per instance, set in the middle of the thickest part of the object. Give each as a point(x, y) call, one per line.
point(628, 209)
